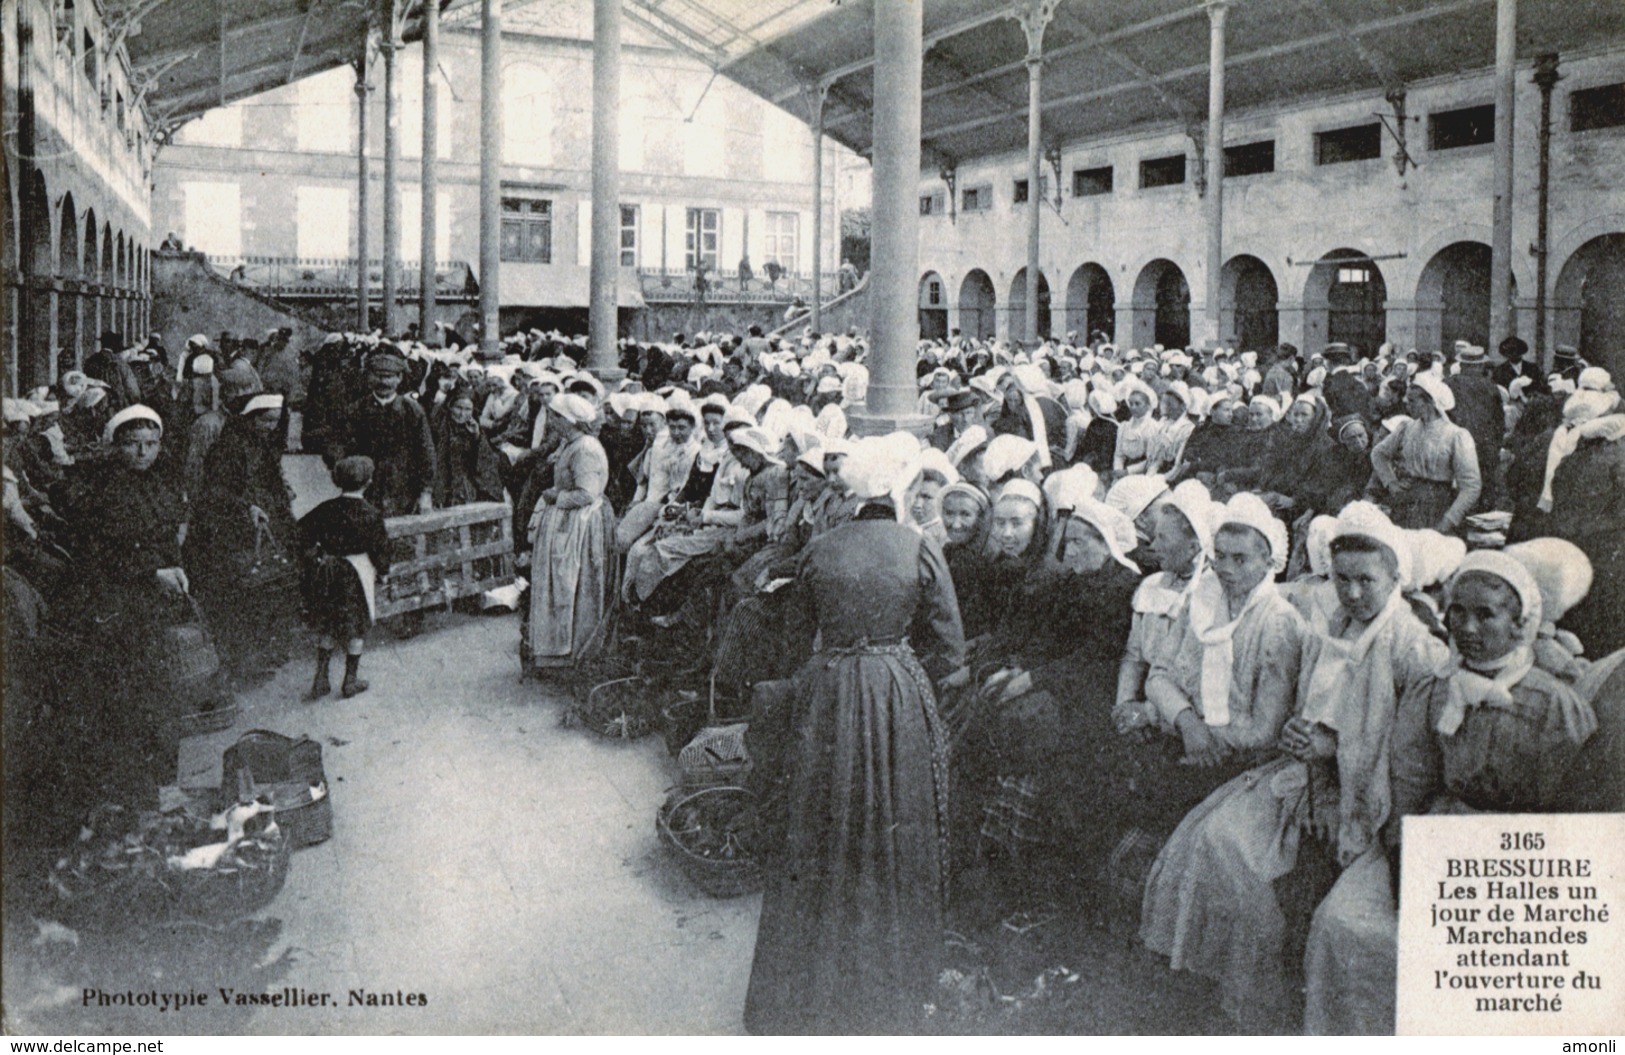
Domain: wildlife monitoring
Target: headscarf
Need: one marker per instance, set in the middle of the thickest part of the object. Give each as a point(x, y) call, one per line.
point(758, 440)
point(1030, 381)
point(1007, 454)
point(1113, 527)
point(1493, 685)
point(1130, 495)
point(1248, 510)
point(1564, 574)
point(1579, 410)
point(882, 467)
point(965, 442)
point(1070, 488)
point(134, 412)
point(1362, 519)
point(263, 401)
point(1318, 545)
point(1194, 503)
point(577, 410)
point(1436, 390)
point(977, 496)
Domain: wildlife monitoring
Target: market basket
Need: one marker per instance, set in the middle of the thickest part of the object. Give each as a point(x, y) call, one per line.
point(711, 831)
point(125, 869)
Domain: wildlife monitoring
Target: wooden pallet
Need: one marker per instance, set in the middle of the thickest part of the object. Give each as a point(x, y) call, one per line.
point(447, 554)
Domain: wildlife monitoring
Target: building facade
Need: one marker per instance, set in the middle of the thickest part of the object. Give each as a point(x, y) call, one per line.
point(77, 169)
point(1357, 218)
point(715, 180)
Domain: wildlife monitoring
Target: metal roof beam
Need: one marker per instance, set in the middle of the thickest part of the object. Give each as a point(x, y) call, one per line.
point(299, 45)
point(710, 58)
point(1263, 54)
point(673, 27)
point(1065, 50)
point(1376, 60)
point(931, 41)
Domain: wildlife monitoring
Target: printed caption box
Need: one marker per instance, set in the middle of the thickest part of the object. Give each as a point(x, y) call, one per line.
point(1510, 925)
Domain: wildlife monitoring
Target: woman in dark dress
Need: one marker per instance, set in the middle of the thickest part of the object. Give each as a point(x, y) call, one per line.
point(850, 937)
point(243, 526)
point(466, 467)
point(346, 547)
point(130, 590)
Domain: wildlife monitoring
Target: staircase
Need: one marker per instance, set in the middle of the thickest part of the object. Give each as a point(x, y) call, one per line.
point(189, 296)
point(850, 309)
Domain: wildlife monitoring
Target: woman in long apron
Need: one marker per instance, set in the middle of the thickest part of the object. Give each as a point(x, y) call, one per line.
point(572, 545)
point(851, 928)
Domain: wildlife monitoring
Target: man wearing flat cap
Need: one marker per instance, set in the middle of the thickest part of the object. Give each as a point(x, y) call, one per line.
point(964, 409)
point(1566, 362)
point(394, 433)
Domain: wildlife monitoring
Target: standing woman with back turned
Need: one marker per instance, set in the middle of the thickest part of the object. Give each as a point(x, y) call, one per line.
point(851, 928)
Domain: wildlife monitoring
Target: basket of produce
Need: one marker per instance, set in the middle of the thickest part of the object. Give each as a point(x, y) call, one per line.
point(129, 868)
point(712, 831)
point(623, 708)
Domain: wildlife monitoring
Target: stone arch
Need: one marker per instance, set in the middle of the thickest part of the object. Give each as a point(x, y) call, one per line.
point(68, 346)
point(1248, 299)
point(1018, 306)
point(978, 305)
point(11, 265)
point(1453, 296)
point(37, 257)
point(1162, 305)
point(1588, 301)
point(933, 306)
point(1344, 299)
point(104, 302)
point(1091, 302)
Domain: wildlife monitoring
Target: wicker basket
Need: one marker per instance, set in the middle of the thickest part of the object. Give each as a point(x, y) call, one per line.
point(715, 756)
point(710, 831)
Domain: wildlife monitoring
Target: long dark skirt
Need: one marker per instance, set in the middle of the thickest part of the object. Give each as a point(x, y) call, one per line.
point(850, 938)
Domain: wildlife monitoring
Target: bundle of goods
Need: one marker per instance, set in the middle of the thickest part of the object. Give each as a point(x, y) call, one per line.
point(288, 773)
point(712, 831)
point(1488, 530)
point(716, 755)
point(128, 868)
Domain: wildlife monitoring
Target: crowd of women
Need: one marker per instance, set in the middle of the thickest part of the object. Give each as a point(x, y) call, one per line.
point(1203, 624)
point(1190, 622)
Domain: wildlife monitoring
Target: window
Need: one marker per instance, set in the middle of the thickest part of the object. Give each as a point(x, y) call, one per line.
point(1356, 143)
point(1602, 107)
point(700, 241)
point(931, 204)
point(1250, 159)
point(214, 218)
point(1020, 194)
point(629, 236)
point(527, 230)
point(322, 226)
point(933, 292)
point(976, 199)
point(1468, 127)
point(1089, 182)
point(781, 239)
point(324, 112)
point(1162, 172)
point(1353, 276)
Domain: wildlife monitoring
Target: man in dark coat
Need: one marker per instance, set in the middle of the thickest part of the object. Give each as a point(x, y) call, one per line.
point(1514, 365)
point(1479, 411)
point(1345, 393)
point(964, 409)
point(394, 433)
point(109, 364)
point(1566, 362)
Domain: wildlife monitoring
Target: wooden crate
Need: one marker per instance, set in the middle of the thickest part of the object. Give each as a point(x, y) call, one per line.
point(446, 554)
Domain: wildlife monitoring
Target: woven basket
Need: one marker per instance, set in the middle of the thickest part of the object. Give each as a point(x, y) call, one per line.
point(715, 756)
point(710, 831)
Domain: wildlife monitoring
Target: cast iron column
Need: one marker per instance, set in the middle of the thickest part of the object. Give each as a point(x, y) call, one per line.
point(490, 177)
point(1506, 86)
point(604, 306)
point(390, 46)
point(815, 96)
point(1215, 167)
point(363, 322)
point(430, 178)
point(894, 315)
point(1034, 17)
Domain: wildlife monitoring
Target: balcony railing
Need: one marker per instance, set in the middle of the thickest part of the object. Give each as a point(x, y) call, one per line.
point(291, 277)
point(684, 286)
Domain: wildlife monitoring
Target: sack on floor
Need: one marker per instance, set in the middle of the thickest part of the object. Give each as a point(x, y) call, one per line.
point(289, 771)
